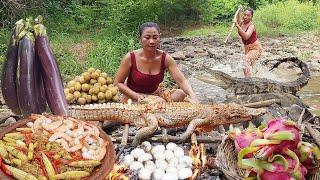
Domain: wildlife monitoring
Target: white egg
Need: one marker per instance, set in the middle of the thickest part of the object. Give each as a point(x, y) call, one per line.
point(171, 146)
point(145, 157)
point(168, 154)
point(157, 174)
point(159, 155)
point(150, 165)
point(146, 145)
point(170, 176)
point(184, 173)
point(178, 152)
point(181, 166)
point(161, 163)
point(173, 162)
point(186, 160)
point(135, 166)
point(128, 159)
point(157, 148)
point(171, 169)
point(136, 153)
point(145, 174)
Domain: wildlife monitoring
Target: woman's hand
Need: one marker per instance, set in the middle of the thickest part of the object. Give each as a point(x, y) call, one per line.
point(192, 99)
point(141, 97)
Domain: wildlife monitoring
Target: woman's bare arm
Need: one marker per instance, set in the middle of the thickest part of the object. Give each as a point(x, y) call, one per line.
point(122, 75)
point(179, 78)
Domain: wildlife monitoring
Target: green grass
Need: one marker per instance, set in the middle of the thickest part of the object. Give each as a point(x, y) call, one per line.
point(77, 48)
point(219, 30)
point(283, 18)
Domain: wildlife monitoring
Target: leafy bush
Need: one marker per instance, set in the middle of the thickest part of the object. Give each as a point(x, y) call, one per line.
point(288, 16)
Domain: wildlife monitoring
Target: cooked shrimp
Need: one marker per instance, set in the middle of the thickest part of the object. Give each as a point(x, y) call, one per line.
point(53, 125)
point(30, 124)
point(67, 125)
point(75, 145)
point(40, 123)
point(78, 132)
point(59, 135)
point(95, 154)
point(63, 143)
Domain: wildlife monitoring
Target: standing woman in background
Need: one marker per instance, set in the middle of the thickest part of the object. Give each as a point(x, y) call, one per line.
point(142, 71)
point(252, 46)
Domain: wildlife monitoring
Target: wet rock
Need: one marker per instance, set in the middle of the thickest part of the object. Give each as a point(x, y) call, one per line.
point(8, 122)
point(5, 115)
point(179, 55)
point(314, 66)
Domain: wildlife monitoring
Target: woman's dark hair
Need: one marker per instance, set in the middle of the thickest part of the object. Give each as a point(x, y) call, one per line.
point(146, 25)
point(250, 10)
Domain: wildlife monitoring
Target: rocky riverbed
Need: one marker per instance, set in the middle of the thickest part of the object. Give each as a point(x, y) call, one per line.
point(212, 52)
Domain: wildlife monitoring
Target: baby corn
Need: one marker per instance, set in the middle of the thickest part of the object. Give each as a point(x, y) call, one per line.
point(3, 151)
point(30, 151)
point(24, 130)
point(72, 175)
point(89, 163)
point(15, 135)
point(16, 153)
point(19, 174)
point(49, 168)
point(16, 161)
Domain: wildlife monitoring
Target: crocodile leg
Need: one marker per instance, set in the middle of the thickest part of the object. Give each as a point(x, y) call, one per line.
point(151, 126)
point(191, 127)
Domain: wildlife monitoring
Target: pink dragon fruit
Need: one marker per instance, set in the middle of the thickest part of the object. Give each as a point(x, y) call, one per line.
point(277, 130)
point(244, 138)
point(276, 168)
point(309, 156)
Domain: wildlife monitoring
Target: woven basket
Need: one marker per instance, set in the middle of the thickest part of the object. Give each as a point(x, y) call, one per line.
point(227, 162)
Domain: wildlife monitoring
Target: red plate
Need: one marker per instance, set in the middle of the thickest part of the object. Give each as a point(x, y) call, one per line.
point(98, 174)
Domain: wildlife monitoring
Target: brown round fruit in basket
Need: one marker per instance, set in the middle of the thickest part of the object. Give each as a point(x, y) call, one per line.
point(98, 173)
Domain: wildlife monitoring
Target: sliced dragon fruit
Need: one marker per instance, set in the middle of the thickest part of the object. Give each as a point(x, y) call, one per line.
point(309, 156)
point(281, 130)
point(244, 138)
point(277, 167)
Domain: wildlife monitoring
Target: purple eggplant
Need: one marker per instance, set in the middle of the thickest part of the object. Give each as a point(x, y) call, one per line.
point(40, 92)
point(8, 79)
point(26, 81)
point(51, 74)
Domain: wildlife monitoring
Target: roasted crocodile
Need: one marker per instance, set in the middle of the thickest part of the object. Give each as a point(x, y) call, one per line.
point(254, 85)
point(149, 116)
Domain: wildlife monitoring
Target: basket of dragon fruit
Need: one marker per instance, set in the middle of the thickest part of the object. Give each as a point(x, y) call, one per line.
point(274, 151)
point(55, 147)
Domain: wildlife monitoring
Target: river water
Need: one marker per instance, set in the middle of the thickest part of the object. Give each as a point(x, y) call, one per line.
point(310, 94)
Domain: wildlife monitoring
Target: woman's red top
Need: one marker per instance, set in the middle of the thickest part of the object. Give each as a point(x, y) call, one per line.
point(145, 83)
point(252, 38)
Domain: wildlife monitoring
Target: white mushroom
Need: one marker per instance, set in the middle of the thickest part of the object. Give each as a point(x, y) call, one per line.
point(136, 153)
point(150, 165)
point(171, 146)
point(157, 174)
point(178, 152)
point(146, 146)
point(170, 176)
point(157, 148)
point(145, 174)
point(145, 157)
point(135, 166)
point(184, 173)
point(186, 160)
point(128, 159)
point(168, 154)
point(161, 163)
